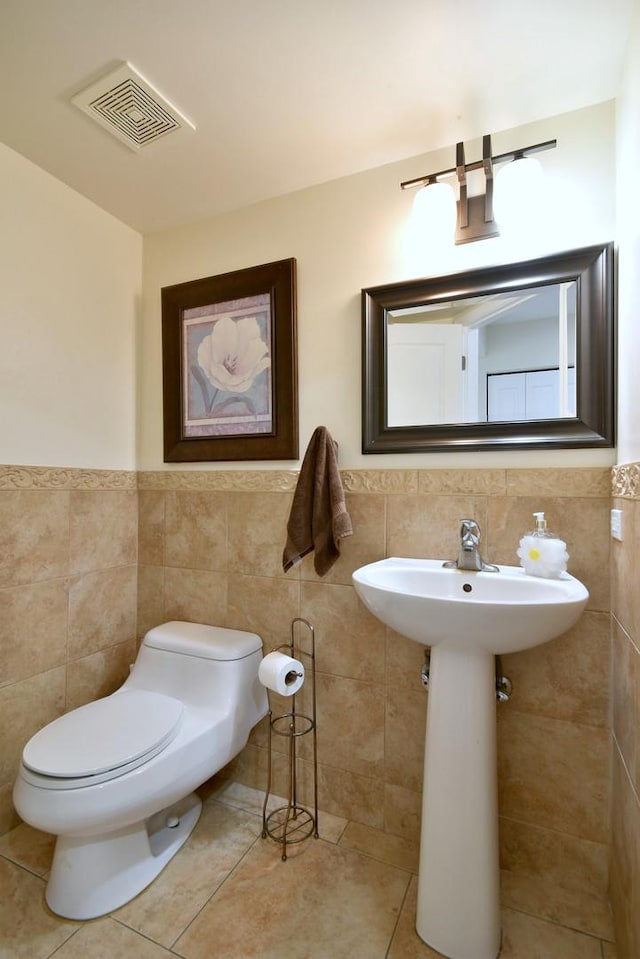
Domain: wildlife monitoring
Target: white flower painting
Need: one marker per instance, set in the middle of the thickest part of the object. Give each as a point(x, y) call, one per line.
point(229, 366)
point(227, 351)
point(233, 354)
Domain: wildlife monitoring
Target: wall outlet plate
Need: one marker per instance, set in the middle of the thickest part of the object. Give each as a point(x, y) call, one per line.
point(616, 523)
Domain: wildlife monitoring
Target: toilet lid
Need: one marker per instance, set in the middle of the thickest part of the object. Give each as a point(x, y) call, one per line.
point(104, 735)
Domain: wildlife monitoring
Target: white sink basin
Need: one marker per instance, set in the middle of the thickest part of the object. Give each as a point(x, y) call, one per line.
point(497, 613)
point(467, 618)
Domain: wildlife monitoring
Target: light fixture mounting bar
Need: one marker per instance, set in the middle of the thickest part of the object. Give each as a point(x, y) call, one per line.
point(475, 213)
point(421, 181)
point(487, 163)
point(461, 173)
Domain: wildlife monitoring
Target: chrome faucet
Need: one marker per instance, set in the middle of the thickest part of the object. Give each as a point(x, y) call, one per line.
point(469, 557)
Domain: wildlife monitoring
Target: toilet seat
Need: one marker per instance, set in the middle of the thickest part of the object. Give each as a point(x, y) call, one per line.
point(101, 740)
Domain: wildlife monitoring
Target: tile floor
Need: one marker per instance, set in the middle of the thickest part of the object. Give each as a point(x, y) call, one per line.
point(228, 895)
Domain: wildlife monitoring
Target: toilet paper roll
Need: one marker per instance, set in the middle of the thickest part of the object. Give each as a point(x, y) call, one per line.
point(281, 673)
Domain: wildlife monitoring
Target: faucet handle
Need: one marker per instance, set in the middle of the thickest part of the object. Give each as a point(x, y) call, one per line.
point(469, 531)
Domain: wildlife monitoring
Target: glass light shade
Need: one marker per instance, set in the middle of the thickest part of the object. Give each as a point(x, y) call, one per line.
point(434, 209)
point(518, 193)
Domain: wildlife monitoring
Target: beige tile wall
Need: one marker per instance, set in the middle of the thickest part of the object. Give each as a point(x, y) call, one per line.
point(209, 549)
point(625, 601)
point(68, 556)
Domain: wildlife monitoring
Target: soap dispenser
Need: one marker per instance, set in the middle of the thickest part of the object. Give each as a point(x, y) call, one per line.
point(541, 552)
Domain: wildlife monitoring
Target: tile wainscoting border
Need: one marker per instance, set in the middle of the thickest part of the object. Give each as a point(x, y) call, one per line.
point(575, 481)
point(61, 478)
point(625, 481)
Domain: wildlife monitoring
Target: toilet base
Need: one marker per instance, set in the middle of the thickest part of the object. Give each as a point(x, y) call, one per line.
point(93, 875)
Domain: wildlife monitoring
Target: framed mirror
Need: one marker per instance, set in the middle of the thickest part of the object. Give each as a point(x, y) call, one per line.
point(518, 356)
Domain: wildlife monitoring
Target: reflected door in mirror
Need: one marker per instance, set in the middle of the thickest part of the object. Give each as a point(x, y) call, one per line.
point(424, 373)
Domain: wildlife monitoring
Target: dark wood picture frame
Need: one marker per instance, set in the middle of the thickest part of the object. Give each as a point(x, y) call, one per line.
point(242, 404)
point(592, 268)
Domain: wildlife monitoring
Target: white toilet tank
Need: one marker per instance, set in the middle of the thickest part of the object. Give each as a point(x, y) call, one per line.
point(203, 666)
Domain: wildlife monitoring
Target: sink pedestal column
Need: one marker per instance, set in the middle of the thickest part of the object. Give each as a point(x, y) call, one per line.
point(459, 878)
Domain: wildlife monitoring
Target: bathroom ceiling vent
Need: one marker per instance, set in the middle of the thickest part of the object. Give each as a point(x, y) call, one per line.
point(128, 107)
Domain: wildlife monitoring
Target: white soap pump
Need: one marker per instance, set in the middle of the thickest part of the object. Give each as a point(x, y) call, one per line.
point(541, 552)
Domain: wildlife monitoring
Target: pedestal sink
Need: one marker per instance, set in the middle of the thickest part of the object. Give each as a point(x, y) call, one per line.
point(466, 618)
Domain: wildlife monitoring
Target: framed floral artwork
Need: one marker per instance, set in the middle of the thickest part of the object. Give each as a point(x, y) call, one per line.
point(230, 366)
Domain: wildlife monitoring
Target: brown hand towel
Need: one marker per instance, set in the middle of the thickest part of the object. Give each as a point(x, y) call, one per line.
point(319, 517)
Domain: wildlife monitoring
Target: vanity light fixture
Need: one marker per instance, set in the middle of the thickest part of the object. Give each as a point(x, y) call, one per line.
point(436, 205)
point(475, 217)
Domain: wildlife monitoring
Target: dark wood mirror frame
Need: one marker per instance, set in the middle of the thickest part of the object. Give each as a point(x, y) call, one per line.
point(592, 268)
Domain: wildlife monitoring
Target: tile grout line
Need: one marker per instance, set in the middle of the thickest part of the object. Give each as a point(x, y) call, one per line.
point(63, 944)
point(397, 922)
point(560, 925)
point(19, 865)
point(215, 892)
point(627, 771)
point(370, 856)
point(552, 829)
point(138, 932)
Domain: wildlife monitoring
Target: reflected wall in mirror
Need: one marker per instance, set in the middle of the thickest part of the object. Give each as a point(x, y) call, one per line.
point(514, 356)
point(501, 356)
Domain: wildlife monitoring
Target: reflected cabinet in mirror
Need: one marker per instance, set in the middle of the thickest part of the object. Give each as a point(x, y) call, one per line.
point(508, 357)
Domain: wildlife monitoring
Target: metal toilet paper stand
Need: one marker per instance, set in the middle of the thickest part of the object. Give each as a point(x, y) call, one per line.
point(293, 823)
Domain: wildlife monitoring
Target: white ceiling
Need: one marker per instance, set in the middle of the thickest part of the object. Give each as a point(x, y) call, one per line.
point(289, 93)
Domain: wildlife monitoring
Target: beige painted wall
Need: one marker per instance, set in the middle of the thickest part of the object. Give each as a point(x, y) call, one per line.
point(628, 230)
point(625, 839)
point(357, 232)
point(70, 276)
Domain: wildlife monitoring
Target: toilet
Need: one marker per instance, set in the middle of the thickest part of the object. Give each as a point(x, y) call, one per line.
point(114, 779)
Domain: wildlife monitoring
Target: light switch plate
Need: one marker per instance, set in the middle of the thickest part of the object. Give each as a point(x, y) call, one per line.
point(616, 523)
